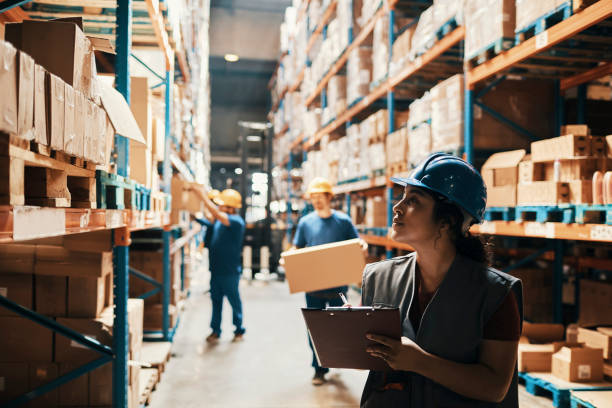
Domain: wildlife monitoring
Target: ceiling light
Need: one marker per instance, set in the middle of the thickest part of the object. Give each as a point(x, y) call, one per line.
point(231, 57)
point(238, 171)
point(253, 138)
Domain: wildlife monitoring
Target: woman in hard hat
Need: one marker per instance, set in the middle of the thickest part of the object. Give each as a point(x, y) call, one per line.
point(461, 318)
point(224, 238)
point(323, 226)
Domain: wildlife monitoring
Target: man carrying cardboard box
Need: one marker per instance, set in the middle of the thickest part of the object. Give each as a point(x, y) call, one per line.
point(323, 226)
point(224, 238)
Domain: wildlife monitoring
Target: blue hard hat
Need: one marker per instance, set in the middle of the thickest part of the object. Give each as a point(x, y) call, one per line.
point(454, 179)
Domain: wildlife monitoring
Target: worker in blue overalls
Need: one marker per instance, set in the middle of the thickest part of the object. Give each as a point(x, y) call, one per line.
point(224, 238)
point(323, 226)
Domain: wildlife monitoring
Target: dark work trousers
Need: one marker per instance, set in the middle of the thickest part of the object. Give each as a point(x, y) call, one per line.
point(222, 285)
point(321, 303)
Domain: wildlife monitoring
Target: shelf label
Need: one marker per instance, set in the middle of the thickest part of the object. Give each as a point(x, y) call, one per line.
point(114, 218)
point(601, 232)
point(541, 40)
point(487, 228)
point(539, 229)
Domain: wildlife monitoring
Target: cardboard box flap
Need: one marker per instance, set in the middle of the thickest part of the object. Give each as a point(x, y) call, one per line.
point(102, 44)
point(319, 247)
point(504, 159)
point(119, 113)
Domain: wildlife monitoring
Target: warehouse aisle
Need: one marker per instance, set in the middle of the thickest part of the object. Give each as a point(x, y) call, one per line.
point(270, 368)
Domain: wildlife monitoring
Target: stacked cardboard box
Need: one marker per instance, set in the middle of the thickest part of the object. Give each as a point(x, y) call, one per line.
point(447, 114)
point(487, 22)
point(595, 303)
point(501, 176)
point(401, 48)
point(359, 74)
point(423, 37)
point(68, 279)
point(397, 150)
point(336, 98)
point(560, 170)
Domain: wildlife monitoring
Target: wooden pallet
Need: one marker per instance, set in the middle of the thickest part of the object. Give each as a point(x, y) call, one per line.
point(544, 22)
point(594, 214)
point(489, 52)
point(545, 213)
point(499, 214)
point(591, 399)
point(115, 192)
point(148, 380)
point(545, 384)
point(156, 355)
point(30, 178)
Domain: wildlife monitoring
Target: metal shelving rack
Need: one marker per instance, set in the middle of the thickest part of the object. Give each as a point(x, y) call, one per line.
point(122, 222)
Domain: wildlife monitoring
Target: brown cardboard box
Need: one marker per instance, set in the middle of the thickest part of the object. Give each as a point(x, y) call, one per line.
point(51, 295)
point(39, 375)
point(596, 339)
point(25, 96)
point(486, 22)
point(578, 364)
point(543, 193)
point(598, 146)
point(581, 191)
point(595, 303)
point(535, 357)
point(579, 130)
point(98, 144)
point(99, 241)
point(527, 11)
point(159, 139)
point(8, 84)
point(609, 145)
point(500, 174)
point(324, 266)
point(152, 319)
point(562, 147)
point(53, 260)
point(101, 386)
point(74, 393)
point(376, 212)
point(575, 169)
point(141, 164)
point(70, 351)
point(41, 40)
point(87, 297)
point(13, 381)
point(18, 288)
point(151, 264)
point(530, 171)
point(71, 143)
point(141, 107)
point(90, 125)
point(41, 134)
point(17, 331)
point(543, 332)
point(17, 258)
point(607, 370)
point(55, 111)
point(79, 123)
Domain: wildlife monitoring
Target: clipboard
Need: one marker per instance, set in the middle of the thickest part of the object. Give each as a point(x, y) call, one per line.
point(338, 335)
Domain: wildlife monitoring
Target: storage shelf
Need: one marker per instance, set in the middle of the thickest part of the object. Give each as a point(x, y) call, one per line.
point(20, 223)
point(385, 242)
point(556, 34)
point(442, 46)
point(331, 8)
point(551, 230)
point(374, 182)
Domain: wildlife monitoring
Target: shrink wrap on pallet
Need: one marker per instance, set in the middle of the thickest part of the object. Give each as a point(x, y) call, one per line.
point(359, 73)
point(447, 114)
point(446, 10)
point(528, 11)
point(401, 49)
point(487, 22)
point(397, 147)
point(419, 143)
point(423, 37)
point(420, 110)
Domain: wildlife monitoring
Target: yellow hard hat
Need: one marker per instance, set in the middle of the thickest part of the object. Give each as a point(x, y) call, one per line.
point(230, 198)
point(319, 185)
point(214, 193)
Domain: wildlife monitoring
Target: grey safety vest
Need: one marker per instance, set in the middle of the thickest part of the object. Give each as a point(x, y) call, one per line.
point(451, 327)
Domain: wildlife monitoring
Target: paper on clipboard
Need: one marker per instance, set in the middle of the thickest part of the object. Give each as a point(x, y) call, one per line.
point(338, 335)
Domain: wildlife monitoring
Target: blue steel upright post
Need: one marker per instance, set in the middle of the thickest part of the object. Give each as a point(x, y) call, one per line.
point(468, 124)
point(166, 232)
point(391, 119)
point(121, 249)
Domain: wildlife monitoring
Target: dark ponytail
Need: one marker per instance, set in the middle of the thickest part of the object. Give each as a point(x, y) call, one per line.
point(468, 245)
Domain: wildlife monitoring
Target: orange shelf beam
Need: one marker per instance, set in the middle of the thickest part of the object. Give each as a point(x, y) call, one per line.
point(157, 21)
point(384, 241)
point(587, 76)
point(324, 19)
point(556, 34)
point(551, 230)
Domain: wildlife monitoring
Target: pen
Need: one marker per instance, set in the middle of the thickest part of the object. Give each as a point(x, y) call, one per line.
point(343, 298)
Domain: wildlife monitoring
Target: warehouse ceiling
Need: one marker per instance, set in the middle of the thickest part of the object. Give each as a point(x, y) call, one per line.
point(249, 29)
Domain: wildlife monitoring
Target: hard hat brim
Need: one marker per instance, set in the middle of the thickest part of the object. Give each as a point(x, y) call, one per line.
point(319, 190)
point(407, 181)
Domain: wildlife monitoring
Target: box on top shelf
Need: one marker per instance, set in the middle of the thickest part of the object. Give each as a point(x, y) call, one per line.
point(359, 73)
point(447, 114)
point(8, 75)
point(500, 174)
point(489, 24)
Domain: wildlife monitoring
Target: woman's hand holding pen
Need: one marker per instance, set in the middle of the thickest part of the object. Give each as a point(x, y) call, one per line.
point(404, 355)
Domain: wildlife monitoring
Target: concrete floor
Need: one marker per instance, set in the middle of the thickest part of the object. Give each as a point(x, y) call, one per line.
point(269, 369)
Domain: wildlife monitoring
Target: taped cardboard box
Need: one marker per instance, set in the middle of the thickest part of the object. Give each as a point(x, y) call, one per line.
point(578, 364)
point(17, 331)
point(25, 96)
point(562, 147)
point(324, 266)
point(41, 134)
point(18, 288)
point(595, 303)
point(88, 297)
point(8, 84)
point(543, 193)
point(599, 339)
point(501, 174)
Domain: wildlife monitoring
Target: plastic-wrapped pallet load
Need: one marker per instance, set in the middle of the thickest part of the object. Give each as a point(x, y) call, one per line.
point(359, 73)
point(376, 153)
point(380, 50)
point(368, 10)
point(423, 37)
point(447, 10)
point(528, 11)
point(315, 11)
point(419, 142)
point(420, 110)
point(401, 48)
point(336, 97)
point(447, 115)
point(489, 25)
